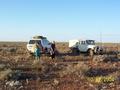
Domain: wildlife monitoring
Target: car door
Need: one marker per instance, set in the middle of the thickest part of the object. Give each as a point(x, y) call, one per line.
point(83, 46)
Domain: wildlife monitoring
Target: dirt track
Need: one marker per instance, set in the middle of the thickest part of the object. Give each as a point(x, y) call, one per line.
point(66, 72)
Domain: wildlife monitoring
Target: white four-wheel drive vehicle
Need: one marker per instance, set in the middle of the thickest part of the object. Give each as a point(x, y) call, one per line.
point(87, 46)
point(42, 41)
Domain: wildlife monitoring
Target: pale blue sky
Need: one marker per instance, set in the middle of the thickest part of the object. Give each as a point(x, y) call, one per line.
point(60, 20)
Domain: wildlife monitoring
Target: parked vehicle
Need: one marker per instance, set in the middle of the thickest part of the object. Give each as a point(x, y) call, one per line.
point(41, 41)
point(87, 46)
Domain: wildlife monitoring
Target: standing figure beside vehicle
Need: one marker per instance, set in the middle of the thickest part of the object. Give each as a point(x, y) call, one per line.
point(37, 51)
point(52, 50)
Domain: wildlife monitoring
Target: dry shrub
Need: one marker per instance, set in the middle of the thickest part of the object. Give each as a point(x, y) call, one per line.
point(4, 74)
point(21, 50)
point(71, 68)
point(99, 58)
point(8, 51)
point(4, 45)
point(74, 58)
point(2, 66)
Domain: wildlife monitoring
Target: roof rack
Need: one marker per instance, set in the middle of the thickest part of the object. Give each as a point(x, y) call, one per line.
point(39, 37)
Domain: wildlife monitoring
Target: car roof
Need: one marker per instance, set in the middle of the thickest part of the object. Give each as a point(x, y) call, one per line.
point(37, 39)
point(81, 40)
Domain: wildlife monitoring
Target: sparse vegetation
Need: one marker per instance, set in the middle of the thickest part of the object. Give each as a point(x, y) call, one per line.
point(65, 72)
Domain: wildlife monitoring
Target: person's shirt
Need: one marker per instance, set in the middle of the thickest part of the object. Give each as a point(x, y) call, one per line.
point(53, 46)
point(37, 51)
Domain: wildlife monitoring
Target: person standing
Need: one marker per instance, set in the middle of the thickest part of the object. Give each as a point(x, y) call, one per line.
point(52, 50)
point(53, 46)
point(37, 52)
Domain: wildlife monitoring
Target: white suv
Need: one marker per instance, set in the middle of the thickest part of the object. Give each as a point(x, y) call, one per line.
point(42, 41)
point(83, 46)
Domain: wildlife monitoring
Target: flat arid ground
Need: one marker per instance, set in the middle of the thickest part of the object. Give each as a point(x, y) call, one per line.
point(66, 72)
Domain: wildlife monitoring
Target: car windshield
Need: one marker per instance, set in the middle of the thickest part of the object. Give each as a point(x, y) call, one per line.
point(91, 42)
point(34, 41)
point(45, 42)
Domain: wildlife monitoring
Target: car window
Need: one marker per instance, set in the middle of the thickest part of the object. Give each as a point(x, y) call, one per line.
point(34, 41)
point(45, 41)
point(91, 42)
point(82, 42)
